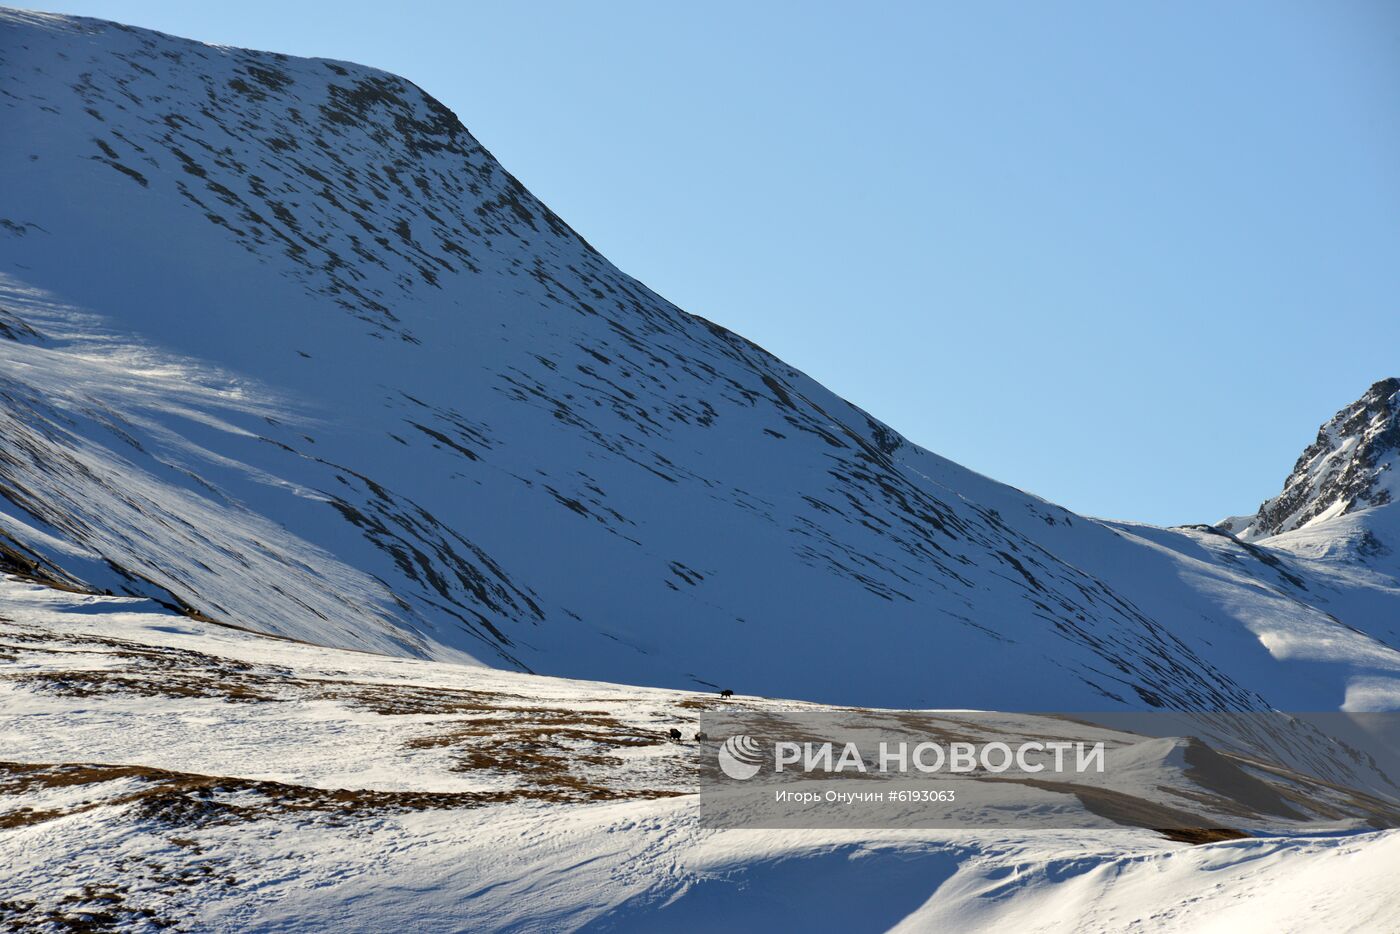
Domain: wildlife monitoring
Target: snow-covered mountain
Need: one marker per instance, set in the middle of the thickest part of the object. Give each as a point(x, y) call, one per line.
point(284, 349)
point(282, 345)
point(1348, 468)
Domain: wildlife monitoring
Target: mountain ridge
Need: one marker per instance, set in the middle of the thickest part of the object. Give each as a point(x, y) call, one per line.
point(1346, 468)
point(365, 390)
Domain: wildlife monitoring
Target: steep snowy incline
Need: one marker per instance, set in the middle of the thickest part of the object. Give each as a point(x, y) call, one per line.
point(282, 344)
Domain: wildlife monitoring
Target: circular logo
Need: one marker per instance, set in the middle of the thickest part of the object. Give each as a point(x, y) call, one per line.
point(739, 757)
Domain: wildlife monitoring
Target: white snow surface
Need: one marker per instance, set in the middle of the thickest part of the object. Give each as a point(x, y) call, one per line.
point(95, 689)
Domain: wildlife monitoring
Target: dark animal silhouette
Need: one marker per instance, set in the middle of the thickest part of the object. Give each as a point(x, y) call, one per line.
point(726, 693)
point(675, 735)
point(701, 736)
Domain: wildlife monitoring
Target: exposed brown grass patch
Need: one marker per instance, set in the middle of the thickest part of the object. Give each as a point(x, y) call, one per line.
point(701, 703)
point(190, 800)
point(545, 748)
point(407, 699)
point(102, 682)
point(1198, 835)
point(93, 908)
point(1132, 811)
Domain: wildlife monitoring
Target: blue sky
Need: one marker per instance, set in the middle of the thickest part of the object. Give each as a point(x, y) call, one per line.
point(1126, 256)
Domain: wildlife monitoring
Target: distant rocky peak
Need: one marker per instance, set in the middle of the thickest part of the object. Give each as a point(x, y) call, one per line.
point(1347, 468)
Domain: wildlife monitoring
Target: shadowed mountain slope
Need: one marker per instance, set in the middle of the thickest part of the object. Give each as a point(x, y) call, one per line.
point(281, 343)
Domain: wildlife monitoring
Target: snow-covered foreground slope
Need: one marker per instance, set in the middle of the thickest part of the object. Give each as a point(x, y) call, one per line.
point(281, 343)
point(161, 771)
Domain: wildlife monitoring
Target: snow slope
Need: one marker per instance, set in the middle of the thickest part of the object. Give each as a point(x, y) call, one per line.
point(1337, 518)
point(166, 773)
point(283, 345)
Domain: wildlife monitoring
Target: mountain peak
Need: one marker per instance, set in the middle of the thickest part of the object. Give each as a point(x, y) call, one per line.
point(1347, 468)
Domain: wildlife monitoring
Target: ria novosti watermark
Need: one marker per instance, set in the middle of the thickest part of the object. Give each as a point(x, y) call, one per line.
point(871, 768)
point(741, 757)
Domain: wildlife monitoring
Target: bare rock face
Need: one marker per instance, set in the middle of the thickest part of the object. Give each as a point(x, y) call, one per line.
point(1347, 468)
